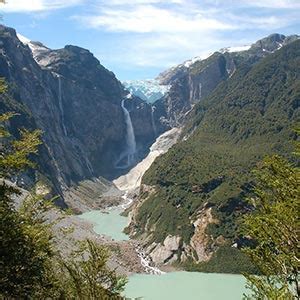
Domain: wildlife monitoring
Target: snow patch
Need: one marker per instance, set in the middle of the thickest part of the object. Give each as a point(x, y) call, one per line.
point(35, 47)
point(23, 39)
point(235, 49)
point(189, 62)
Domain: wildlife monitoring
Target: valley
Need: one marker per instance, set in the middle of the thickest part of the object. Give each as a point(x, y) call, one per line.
point(159, 170)
point(111, 223)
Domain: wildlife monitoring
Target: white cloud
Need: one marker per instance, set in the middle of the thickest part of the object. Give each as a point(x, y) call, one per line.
point(162, 33)
point(135, 2)
point(149, 18)
point(157, 33)
point(161, 50)
point(36, 5)
point(274, 4)
point(265, 22)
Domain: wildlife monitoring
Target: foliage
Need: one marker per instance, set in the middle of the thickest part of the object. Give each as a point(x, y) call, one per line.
point(19, 150)
point(25, 246)
point(88, 276)
point(225, 260)
point(274, 226)
point(25, 242)
point(3, 118)
point(31, 267)
point(14, 154)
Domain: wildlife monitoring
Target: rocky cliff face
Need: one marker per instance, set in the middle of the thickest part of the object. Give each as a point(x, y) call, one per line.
point(77, 104)
point(195, 79)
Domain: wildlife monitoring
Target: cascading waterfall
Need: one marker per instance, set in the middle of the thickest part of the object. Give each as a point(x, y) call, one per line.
point(146, 262)
point(200, 90)
point(89, 166)
point(130, 137)
point(61, 108)
point(152, 120)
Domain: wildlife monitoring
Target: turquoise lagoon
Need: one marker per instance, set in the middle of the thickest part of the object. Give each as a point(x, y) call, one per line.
point(169, 286)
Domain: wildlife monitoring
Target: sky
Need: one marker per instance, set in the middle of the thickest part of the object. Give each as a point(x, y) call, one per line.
point(138, 39)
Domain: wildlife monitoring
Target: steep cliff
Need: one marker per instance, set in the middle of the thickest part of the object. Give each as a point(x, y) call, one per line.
point(77, 103)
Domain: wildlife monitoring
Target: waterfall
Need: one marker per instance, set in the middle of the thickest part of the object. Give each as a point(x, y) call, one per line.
point(61, 108)
point(89, 166)
point(152, 120)
point(200, 90)
point(130, 138)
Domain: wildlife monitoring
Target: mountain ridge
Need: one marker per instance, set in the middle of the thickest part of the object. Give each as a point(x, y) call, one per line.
point(192, 197)
point(189, 83)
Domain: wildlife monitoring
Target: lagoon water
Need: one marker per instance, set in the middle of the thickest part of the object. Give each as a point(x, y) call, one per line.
point(186, 286)
point(109, 223)
point(170, 286)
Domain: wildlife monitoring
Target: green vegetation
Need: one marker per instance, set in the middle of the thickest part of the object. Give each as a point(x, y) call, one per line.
point(90, 278)
point(226, 258)
point(31, 267)
point(247, 117)
point(274, 226)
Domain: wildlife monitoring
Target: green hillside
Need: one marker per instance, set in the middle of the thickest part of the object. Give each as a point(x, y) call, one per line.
point(250, 115)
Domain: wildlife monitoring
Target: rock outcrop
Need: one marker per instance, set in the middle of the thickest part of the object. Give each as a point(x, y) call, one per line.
point(166, 252)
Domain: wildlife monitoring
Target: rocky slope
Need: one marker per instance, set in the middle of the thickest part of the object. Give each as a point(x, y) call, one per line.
point(195, 79)
point(77, 103)
point(68, 230)
point(192, 197)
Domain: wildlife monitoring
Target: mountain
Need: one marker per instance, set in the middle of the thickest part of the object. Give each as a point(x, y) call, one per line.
point(237, 105)
point(149, 90)
point(195, 79)
point(81, 107)
point(192, 197)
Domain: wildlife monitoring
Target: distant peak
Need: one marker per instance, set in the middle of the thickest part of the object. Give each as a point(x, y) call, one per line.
point(77, 49)
point(276, 37)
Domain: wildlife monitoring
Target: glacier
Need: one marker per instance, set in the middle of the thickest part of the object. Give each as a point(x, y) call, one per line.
point(148, 90)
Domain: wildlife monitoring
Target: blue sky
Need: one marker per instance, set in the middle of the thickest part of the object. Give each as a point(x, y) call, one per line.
point(137, 39)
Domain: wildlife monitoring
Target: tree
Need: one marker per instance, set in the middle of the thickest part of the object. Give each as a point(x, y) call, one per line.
point(24, 243)
point(31, 267)
point(274, 226)
point(25, 247)
point(88, 276)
